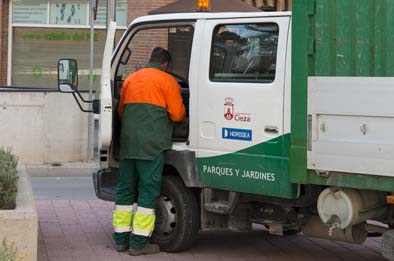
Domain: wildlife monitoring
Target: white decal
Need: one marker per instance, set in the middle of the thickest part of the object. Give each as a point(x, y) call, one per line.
point(246, 174)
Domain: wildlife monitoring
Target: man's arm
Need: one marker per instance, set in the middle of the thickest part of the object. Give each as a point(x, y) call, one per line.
point(175, 108)
point(122, 97)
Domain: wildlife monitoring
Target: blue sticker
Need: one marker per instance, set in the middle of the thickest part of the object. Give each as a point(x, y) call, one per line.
point(236, 134)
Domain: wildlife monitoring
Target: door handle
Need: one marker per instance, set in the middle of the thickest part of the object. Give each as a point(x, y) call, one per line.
point(271, 129)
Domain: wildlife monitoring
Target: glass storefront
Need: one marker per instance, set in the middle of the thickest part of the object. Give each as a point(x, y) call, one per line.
point(44, 32)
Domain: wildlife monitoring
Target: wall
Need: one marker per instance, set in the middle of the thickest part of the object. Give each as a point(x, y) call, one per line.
point(3, 41)
point(138, 8)
point(281, 5)
point(43, 128)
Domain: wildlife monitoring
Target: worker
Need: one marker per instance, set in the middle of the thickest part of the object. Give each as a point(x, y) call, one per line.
point(150, 101)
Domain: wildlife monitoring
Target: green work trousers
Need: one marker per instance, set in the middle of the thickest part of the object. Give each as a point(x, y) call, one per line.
point(139, 182)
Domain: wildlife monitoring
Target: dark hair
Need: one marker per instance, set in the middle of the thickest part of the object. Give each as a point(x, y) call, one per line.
point(160, 55)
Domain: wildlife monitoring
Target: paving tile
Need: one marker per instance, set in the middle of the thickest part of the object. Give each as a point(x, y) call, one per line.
point(84, 257)
point(312, 248)
point(42, 252)
point(51, 230)
point(94, 204)
point(127, 257)
point(98, 238)
point(61, 203)
point(105, 250)
point(57, 252)
point(61, 258)
point(47, 216)
point(43, 204)
point(72, 229)
point(110, 258)
point(289, 248)
point(80, 205)
point(181, 256)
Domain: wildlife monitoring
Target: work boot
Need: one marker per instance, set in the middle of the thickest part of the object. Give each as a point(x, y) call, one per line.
point(122, 248)
point(148, 249)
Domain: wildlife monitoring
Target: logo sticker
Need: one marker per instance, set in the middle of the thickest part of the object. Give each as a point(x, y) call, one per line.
point(228, 108)
point(229, 113)
point(236, 134)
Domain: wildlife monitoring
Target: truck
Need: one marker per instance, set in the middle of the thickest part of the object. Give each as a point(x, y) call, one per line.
point(290, 120)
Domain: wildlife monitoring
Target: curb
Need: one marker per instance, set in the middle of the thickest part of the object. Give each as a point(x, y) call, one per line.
point(76, 169)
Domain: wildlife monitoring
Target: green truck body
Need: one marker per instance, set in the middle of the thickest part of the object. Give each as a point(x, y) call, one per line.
point(337, 38)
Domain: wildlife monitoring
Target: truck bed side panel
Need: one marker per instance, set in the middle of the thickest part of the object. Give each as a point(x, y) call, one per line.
point(336, 38)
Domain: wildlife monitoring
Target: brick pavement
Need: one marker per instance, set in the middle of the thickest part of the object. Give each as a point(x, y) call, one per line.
point(80, 230)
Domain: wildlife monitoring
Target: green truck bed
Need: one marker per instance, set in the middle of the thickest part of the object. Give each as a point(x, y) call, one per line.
point(337, 38)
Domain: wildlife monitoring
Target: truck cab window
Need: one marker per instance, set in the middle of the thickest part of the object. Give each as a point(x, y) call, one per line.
point(176, 39)
point(244, 53)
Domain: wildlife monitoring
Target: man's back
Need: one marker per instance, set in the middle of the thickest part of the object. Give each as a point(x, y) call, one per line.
point(150, 101)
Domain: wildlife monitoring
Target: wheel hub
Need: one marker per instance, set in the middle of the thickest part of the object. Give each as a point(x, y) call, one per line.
point(166, 216)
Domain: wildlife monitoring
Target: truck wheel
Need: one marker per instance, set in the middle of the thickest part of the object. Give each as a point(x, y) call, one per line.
point(388, 245)
point(177, 218)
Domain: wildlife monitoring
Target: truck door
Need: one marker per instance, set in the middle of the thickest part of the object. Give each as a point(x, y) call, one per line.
point(240, 137)
point(105, 127)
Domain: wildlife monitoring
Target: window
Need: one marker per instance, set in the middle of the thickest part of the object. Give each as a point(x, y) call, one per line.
point(178, 41)
point(37, 50)
point(43, 31)
point(244, 53)
point(65, 13)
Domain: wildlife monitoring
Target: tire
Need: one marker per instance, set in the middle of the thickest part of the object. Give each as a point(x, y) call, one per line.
point(177, 218)
point(388, 245)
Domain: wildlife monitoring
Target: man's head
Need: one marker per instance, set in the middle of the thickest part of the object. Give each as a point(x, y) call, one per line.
point(160, 56)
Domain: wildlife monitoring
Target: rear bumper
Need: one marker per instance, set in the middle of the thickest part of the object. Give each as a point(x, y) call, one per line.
point(104, 181)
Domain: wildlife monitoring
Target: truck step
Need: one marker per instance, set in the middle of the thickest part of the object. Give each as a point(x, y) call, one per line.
point(221, 207)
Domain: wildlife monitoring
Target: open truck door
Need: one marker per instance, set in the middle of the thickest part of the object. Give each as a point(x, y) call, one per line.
point(106, 110)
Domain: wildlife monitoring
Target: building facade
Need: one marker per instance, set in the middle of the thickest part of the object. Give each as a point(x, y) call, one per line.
point(36, 33)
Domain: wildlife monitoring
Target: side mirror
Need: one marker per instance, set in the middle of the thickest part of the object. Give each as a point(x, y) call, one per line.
point(67, 73)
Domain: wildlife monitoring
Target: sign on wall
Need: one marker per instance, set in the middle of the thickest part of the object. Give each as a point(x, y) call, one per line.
point(68, 13)
point(30, 13)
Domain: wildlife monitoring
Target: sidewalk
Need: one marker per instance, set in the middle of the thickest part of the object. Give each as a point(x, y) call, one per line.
point(80, 230)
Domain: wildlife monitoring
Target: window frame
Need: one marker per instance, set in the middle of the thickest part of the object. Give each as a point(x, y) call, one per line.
point(134, 29)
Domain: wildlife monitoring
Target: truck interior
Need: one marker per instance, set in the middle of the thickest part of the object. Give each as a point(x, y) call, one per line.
point(178, 41)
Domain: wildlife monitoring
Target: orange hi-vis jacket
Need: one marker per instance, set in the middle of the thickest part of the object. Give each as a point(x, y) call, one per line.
point(150, 101)
point(153, 86)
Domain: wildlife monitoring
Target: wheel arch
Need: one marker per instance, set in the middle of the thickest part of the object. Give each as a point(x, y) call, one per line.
point(182, 163)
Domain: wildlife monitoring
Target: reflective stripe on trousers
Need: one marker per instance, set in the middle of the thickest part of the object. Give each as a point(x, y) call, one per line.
point(122, 218)
point(144, 221)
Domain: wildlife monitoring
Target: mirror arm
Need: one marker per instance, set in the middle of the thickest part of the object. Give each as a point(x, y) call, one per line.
point(79, 104)
point(80, 96)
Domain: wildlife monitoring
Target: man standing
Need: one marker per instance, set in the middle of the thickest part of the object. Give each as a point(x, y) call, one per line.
point(150, 101)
